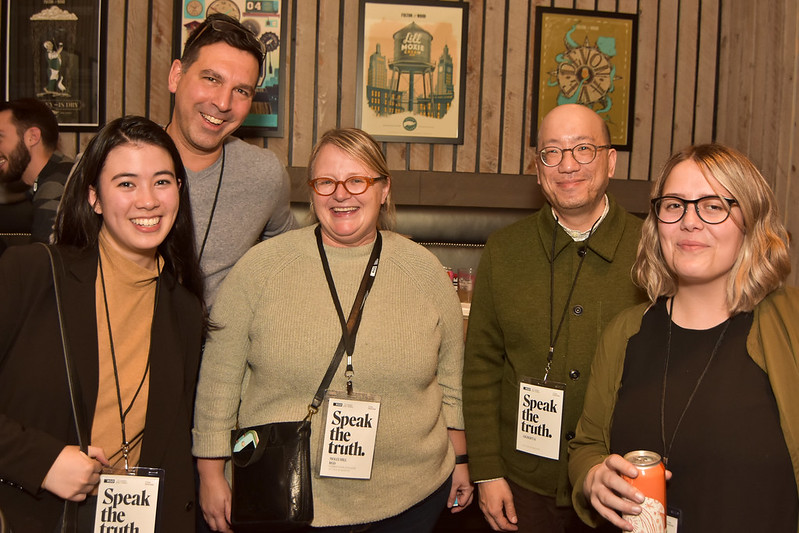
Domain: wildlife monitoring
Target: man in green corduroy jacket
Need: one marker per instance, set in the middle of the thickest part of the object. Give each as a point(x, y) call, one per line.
point(545, 288)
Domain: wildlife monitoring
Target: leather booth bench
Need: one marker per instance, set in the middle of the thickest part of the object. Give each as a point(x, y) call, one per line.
point(456, 235)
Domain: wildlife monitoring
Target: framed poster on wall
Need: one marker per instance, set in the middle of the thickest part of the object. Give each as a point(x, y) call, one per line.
point(55, 51)
point(412, 70)
point(586, 57)
point(265, 19)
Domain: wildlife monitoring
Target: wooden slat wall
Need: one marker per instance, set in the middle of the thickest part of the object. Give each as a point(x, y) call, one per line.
point(725, 70)
point(758, 96)
point(675, 85)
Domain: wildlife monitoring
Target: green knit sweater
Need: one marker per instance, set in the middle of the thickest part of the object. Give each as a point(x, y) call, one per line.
point(509, 335)
point(279, 332)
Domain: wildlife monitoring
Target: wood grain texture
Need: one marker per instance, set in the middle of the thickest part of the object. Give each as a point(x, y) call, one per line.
point(136, 59)
point(663, 117)
point(302, 134)
point(349, 60)
point(161, 57)
point(725, 70)
point(706, 71)
point(467, 160)
point(516, 62)
point(685, 79)
point(115, 52)
point(646, 60)
point(327, 68)
point(281, 146)
point(491, 97)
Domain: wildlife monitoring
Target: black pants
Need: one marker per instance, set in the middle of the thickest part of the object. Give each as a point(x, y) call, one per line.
point(539, 514)
point(421, 518)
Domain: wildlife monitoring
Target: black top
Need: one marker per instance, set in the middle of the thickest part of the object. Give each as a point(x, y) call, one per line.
point(730, 464)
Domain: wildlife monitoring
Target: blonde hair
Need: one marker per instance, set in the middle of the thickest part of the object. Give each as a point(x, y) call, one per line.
point(361, 147)
point(763, 262)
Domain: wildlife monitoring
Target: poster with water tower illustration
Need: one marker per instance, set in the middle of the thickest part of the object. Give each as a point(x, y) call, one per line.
point(411, 70)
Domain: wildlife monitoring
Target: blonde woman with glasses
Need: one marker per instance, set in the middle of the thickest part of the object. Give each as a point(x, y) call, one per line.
point(705, 374)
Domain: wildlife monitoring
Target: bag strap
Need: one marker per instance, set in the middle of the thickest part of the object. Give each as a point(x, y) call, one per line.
point(69, 524)
point(353, 321)
point(76, 395)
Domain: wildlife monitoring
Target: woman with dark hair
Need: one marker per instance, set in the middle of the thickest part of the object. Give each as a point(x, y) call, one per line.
point(131, 295)
point(705, 374)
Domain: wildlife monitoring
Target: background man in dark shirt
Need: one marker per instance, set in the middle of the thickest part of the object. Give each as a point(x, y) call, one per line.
point(30, 165)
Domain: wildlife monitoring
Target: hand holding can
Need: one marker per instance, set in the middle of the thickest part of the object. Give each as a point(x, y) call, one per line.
point(651, 481)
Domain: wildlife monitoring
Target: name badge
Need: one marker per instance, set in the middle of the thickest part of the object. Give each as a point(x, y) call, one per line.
point(673, 520)
point(540, 417)
point(128, 501)
point(348, 439)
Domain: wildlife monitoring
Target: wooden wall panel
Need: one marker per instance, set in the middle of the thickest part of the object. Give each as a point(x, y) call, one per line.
point(685, 80)
point(467, 152)
point(327, 48)
point(514, 90)
point(349, 59)
point(767, 89)
point(281, 146)
point(757, 82)
point(531, 94)
point(644, 91)
point(491, 98)
point(443, 155)
point(786, 163)
point(725, 70)
point(665, 72)
point(677, 94)
point(706, 71)
point(420, 156)
point(787, 159)
point(136, 59)
point(115, 59)
point(68, 143)
point(303, 83)
point(158, 95)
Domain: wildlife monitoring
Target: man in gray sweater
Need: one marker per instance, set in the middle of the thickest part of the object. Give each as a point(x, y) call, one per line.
point(239, 192)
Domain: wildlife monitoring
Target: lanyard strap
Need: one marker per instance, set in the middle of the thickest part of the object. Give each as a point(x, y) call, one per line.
point(123, 412)
point(349, 327)
point(213, 207)
point(555, 333)
point(667, 449)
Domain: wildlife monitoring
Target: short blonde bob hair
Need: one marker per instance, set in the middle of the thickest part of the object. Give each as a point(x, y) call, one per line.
point(361, 147)
point(763, 262)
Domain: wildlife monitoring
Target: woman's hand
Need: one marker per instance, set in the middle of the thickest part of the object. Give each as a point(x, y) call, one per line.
point(74, 474)
point(215, 494)
point(462, 490)
point(609, 493)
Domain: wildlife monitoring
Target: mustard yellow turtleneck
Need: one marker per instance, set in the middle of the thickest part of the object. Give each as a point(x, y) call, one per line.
point(130, 292)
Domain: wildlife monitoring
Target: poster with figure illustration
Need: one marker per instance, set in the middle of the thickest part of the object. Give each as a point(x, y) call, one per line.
point(55, 51)
point(588, 58)
point(411, 70)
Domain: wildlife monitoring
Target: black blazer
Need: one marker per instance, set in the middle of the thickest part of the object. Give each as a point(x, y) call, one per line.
point(36, 419)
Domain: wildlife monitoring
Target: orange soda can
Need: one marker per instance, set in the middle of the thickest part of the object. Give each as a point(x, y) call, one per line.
point(651, 482)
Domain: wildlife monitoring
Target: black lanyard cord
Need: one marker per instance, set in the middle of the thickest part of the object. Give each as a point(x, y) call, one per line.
point(349, 327)
point(213, 207)
point(123, 412)
point(667, 450)
point(553, 335)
